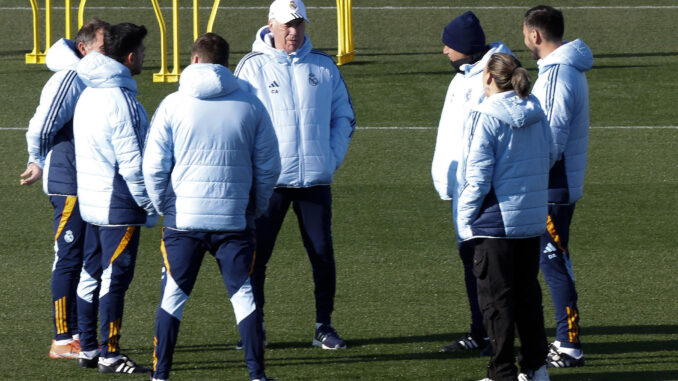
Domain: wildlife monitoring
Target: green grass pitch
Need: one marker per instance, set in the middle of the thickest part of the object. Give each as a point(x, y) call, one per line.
point(400, 283)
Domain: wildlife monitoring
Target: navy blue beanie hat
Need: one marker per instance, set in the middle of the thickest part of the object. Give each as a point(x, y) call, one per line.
point(464, 34)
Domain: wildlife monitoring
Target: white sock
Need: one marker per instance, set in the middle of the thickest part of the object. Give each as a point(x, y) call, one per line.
point(88, 355)
point(572, 352)
point(76, 336)
point(63, 342)
point(109, 360)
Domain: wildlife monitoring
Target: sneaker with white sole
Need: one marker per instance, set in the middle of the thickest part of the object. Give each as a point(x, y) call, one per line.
point(556, 358)
point(122, 365)
point(265, 378)
point(467, 342)
point(66, 351)
point(540, 374)
point(327, 337)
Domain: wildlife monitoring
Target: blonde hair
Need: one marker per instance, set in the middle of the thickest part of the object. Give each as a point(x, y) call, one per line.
point(508, 74)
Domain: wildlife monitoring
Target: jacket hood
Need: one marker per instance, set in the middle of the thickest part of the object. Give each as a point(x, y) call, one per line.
point(511, 109)
point(473, 69)
point(263, 43)
point(205, 80)
point(575, 53)
point(99, 71)
point(62, 55)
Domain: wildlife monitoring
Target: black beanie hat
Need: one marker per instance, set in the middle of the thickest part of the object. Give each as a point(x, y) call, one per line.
point(464, 34)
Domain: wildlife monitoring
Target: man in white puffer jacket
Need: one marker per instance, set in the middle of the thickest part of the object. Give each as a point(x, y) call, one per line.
point(51, 149)
point(562, 89)
point(210, 165)
point(464, 44)
point(313, 118)
point(110, 126)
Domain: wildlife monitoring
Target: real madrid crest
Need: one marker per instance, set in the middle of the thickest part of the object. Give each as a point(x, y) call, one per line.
point(293, 5)
point(312, 80)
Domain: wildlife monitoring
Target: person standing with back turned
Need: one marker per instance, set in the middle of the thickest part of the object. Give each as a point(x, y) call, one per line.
point(210, 166)
point(314, 121)
point(501, 206)
point(562, 89)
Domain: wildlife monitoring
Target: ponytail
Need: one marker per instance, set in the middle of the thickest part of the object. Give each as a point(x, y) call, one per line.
point(508, 74)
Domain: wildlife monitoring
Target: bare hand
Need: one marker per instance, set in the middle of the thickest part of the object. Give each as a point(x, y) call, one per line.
point(31, 174)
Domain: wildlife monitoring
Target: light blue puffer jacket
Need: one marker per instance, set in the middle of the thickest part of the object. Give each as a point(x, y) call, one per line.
point(309, 106)
point(211, 153)
point(110, 127)
point(563, 92)
point(50, 131)
point(503, 174)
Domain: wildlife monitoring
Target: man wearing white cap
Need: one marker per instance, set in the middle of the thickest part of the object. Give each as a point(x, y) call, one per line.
point(314, 121)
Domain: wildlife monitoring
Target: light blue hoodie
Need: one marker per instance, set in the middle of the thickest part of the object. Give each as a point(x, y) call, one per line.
point(211, 159)
point(110, 127)
point(563, 92)
point(503, 172)
point(309, 106)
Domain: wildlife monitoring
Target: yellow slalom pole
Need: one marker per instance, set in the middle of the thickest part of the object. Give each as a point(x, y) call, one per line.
point(162, 75)
point(196, 19)
point(67, 20)
point(175, 38)
point(35, 56)
point(213, 16)
point(48, 24)
point(81, 14)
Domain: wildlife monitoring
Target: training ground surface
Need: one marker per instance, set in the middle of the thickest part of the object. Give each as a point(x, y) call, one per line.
point(400, 286)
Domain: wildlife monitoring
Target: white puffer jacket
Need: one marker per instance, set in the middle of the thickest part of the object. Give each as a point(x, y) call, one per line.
point(110, 127)
point(211, 153)
point(309, 106)
point(464, 93)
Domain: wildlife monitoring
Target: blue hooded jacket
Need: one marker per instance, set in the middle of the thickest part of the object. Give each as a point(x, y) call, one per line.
point(50, 131)
point(503, 174)
point(563, 92)
point(211, 160)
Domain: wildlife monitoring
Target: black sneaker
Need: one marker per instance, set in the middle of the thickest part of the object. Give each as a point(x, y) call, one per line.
point(557, 359)
point(123, 365)
point(327, 337)
point(467, 342)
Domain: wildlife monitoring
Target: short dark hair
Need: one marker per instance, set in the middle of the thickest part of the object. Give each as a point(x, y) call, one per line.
point(547, 20)
point(123, 39)
point(88, 33)
point(211, 48)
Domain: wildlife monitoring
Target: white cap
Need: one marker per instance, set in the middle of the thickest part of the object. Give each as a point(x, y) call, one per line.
point(284, 11)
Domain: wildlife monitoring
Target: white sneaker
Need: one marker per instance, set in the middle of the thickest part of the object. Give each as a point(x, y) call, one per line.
point(540, 374)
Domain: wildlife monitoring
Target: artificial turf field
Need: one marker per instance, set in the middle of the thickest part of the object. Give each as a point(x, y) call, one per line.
point(400, 293)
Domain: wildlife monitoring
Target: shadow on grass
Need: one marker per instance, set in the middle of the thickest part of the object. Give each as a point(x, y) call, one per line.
point(600, 354)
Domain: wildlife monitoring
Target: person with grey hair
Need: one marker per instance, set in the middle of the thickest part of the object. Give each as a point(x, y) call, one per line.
point(314, 121)
point(51, 151)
